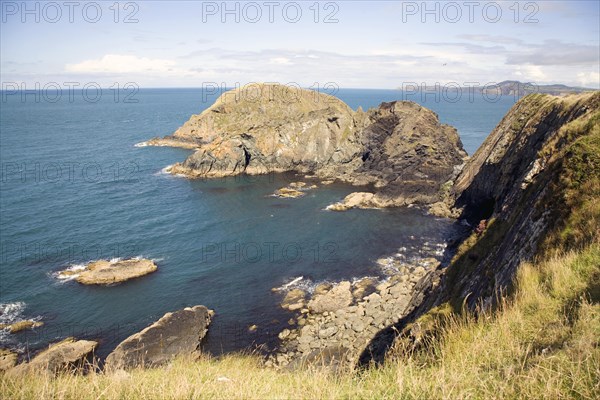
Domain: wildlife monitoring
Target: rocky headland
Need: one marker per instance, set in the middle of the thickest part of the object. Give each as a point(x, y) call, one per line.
point(400, 148)
point(407, 157)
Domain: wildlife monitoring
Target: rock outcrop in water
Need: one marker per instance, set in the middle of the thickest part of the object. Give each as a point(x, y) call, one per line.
point(104, 272)
point(21, 325)
point(400, 147)
point(176, 333)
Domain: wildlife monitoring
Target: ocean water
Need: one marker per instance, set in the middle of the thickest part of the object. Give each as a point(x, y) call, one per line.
point(75, 188)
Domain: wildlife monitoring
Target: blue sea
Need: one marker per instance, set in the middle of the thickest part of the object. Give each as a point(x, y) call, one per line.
point(75, 188)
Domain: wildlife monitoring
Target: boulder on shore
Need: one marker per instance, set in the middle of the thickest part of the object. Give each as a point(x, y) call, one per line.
point(104, 272)
point(66, 355)
point(338, 297)
point(176, 333)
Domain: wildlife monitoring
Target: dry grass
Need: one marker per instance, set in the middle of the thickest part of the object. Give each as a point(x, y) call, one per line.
point(541, 343)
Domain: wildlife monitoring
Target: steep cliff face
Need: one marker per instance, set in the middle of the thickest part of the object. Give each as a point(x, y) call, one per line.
point(532, 189)
point(519, 182)
point(401, 148)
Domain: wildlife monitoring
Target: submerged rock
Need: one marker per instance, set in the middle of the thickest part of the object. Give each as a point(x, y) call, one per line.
point(67, 355)
point(293, 190)
point(105, 272)
point(288, 193)
point(294, 300)
point(175, 333)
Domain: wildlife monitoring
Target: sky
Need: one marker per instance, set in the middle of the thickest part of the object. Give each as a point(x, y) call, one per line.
point(350, 44)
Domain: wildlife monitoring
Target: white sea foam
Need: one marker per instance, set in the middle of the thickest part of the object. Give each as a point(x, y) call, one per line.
point(165, 171)
point(298, 282)
point(295, 280)
point(141, 144)
point(11, 312)
point(69, 273)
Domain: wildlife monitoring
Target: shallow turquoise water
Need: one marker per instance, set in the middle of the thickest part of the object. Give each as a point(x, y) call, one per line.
point(74, 188)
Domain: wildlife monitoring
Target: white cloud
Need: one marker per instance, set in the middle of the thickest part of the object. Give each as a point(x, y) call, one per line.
point(280, 61)
point(589, 79)
point(122, 64)
point(531, 73)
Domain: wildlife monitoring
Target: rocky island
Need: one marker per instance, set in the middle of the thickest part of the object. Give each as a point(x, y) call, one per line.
point(107, 272)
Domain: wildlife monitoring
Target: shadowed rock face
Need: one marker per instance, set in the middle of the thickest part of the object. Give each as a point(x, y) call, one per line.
point(176, 333)
point(409, 153)
point(514, 177)
point(399, 147)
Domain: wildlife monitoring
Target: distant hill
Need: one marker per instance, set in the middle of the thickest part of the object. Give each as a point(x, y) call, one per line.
point(522, 89)
point(508, 88)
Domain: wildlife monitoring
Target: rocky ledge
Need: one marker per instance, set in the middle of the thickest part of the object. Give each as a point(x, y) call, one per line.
point(400, 148)
point(105, 272)
point(176, 333)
